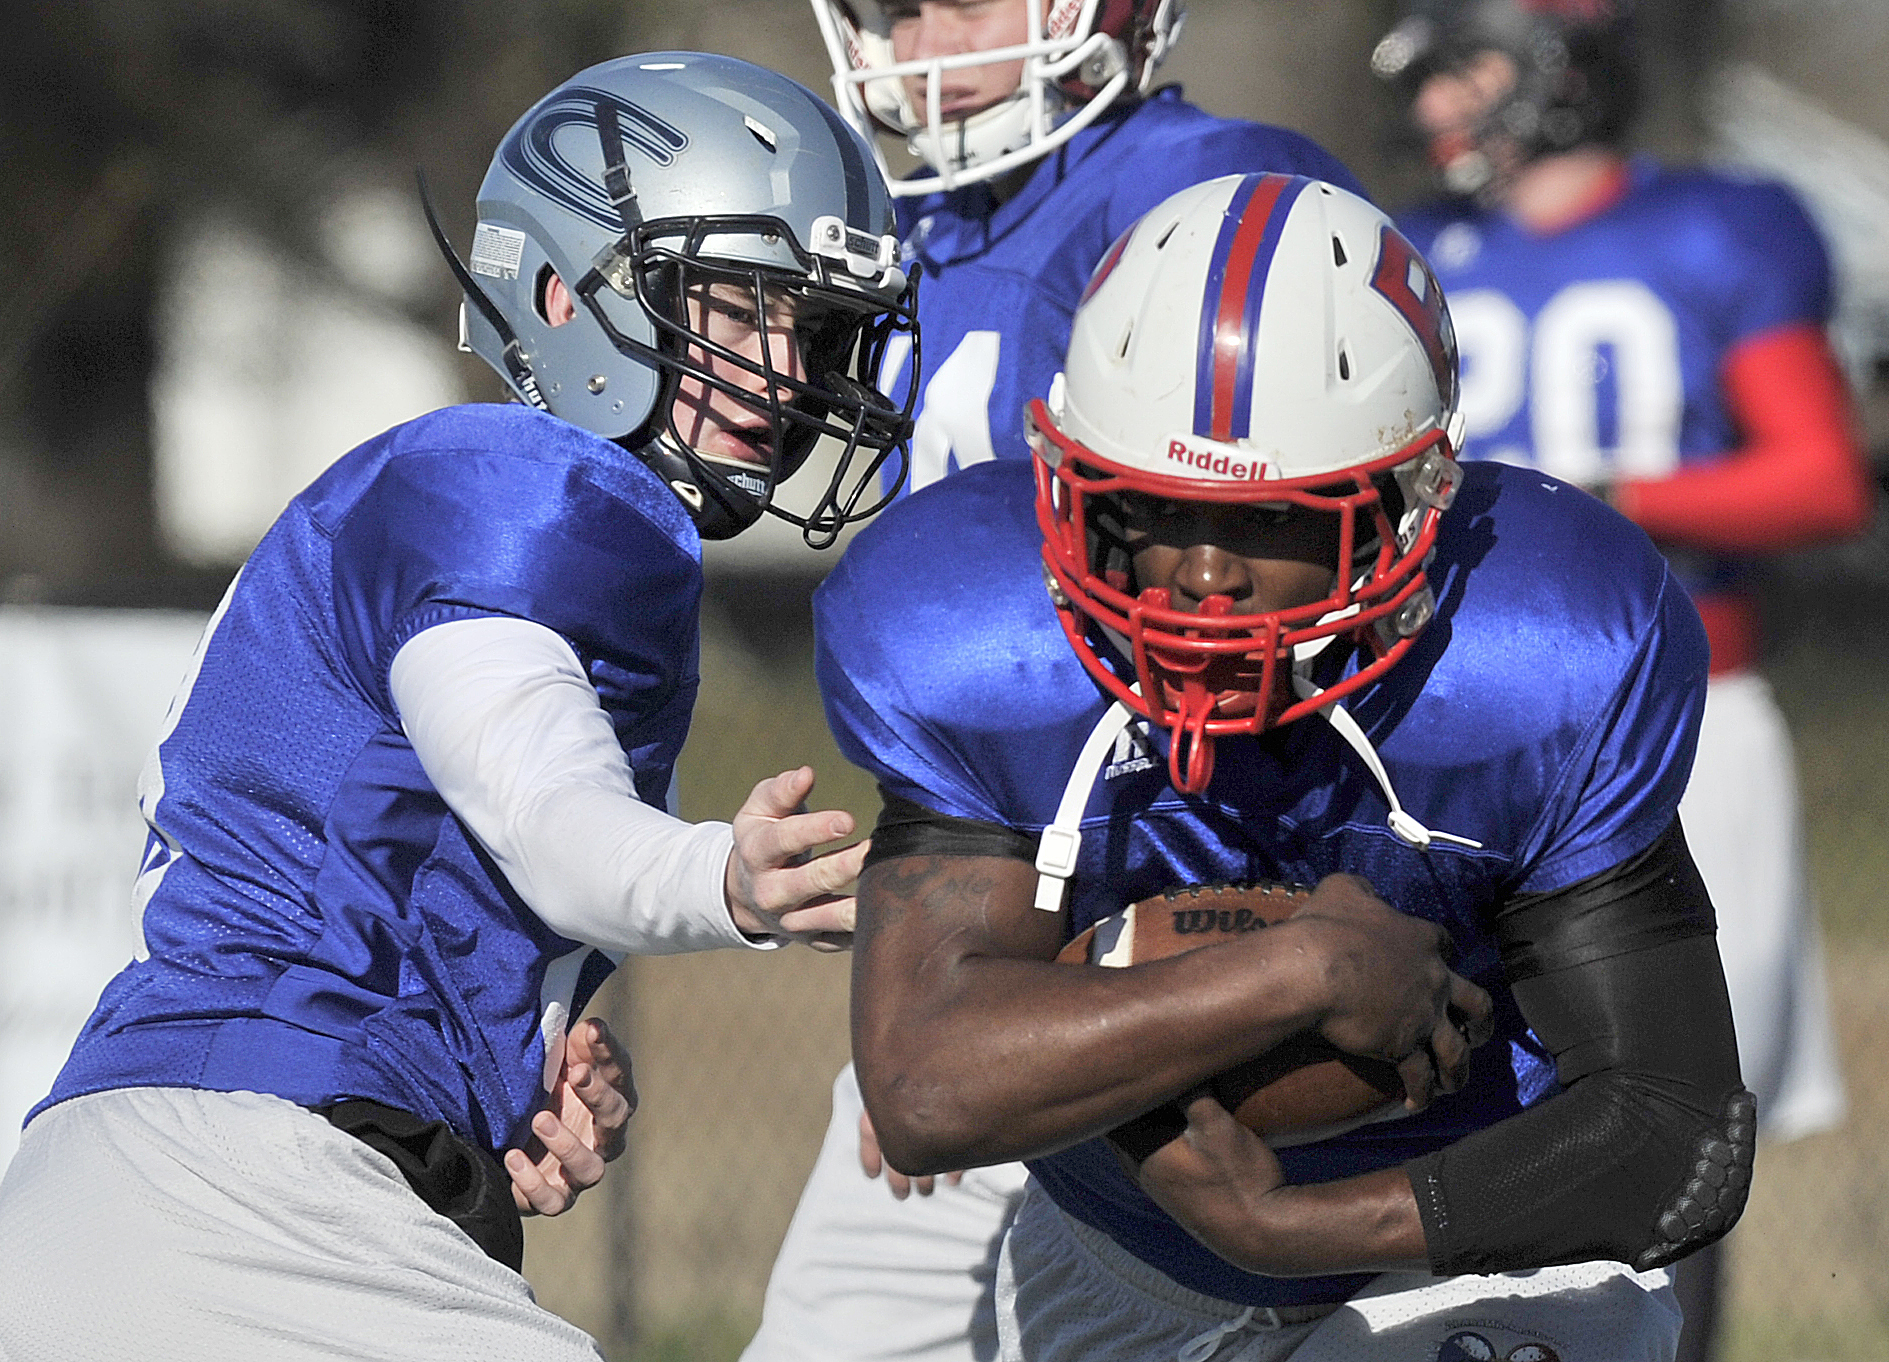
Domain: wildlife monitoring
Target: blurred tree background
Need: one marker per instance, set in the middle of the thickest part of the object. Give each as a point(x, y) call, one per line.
point(127, 125)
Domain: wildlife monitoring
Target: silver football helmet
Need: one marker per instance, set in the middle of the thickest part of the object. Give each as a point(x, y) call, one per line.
point(648, 180)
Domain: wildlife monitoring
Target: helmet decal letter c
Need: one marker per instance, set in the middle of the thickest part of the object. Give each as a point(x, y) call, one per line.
point(533, 156)
point(1107, 267)
point(1399, 272)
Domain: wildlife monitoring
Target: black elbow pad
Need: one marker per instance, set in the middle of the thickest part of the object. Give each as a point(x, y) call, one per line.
point(1713, 1195)
point(1647, 1155)
point(1606, 1170)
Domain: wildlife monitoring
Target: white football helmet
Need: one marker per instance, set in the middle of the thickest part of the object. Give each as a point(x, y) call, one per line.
point(1079, 55)
point(1260, 340)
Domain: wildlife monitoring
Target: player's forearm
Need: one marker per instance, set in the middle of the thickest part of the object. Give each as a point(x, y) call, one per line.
point(1647, 1154)
point(1367, 1223)
point(1760, 500)
point(967, 1057)
point(509, 730)
point(605, 869)
point(979, 1080)
point(1227, 1189)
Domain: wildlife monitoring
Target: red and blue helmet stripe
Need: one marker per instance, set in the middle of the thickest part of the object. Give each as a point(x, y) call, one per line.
point(1229, 316)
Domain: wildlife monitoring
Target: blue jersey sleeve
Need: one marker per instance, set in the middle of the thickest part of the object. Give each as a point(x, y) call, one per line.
point(866, 671)
point(447, 530)
point(1782, 271)
point(957, 690)
point(882, 740)
point(1620, 788)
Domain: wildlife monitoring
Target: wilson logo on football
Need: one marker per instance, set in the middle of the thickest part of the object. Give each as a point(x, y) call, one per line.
point(1188, 921)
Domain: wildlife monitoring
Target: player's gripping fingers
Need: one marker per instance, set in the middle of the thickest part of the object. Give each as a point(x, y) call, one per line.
point(1467, 1022)
point(569, 1163)
point(1473, 1010)
point(1418, 1071)
point(599, 1073)
point(804, 880)
point(535, 1192)
point(778, 795)
point(770, 868)
point(871, 1161)
point(773, 826)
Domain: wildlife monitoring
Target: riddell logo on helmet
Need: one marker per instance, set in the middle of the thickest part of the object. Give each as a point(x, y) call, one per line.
point(1220, 462)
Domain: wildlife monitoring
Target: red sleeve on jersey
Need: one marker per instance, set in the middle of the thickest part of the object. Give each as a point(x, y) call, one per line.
point(1799, 478)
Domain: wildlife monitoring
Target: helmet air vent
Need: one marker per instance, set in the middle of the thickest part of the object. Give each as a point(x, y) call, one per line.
point(1162, 241)
point(1128, 335)
point(1344, 365)
point(1338, 256)
point(762, 133)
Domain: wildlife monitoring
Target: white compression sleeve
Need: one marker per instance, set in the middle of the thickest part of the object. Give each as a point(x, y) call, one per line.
point(509, 729)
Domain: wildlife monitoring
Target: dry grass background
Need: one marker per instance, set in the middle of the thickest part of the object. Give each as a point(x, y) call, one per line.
point(734, 1053)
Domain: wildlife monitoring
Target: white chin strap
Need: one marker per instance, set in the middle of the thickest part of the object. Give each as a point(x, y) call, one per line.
point(1407, 828)
point(1062, 840)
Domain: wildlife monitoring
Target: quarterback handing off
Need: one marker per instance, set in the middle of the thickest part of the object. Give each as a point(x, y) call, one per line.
point(1287, 638)
point(409, 807)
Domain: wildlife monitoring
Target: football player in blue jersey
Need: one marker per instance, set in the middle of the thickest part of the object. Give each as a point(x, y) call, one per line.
point(408, 810)
point(1040, 141)
point(1287, 637)
point(1657, 336)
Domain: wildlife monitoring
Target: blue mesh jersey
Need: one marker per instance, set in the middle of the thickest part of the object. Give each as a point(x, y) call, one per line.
point(1595, 352)
point(318, 924)
point(1001, 283)
point(1549, 712)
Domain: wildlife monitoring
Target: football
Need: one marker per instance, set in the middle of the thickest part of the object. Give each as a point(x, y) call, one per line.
point(1298, 1092)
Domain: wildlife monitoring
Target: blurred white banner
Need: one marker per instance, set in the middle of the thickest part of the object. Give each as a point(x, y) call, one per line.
point(82, 697)
point(268, 371)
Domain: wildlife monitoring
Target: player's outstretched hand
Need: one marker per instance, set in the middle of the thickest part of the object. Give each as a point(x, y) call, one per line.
point(873, 1164)
point(581, 1129)
point(775, 886)
point(1390, 993)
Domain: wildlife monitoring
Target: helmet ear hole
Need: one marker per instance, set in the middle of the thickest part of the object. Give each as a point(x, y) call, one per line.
point(540, 291)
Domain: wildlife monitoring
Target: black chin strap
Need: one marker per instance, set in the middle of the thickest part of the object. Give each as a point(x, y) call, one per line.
point(514, 356)
point(616, 172)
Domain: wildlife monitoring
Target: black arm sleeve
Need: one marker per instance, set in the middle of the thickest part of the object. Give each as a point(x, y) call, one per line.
point(1646, 1157)
point(906, 828)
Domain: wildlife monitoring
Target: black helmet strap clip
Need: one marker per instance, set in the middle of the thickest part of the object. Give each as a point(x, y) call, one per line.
point(515, 364)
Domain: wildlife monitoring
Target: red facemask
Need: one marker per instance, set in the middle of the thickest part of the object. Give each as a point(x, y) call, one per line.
point(1215, 674)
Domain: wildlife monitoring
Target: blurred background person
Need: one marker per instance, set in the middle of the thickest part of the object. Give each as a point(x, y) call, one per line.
point(1039, 140)
point(1655, 336)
